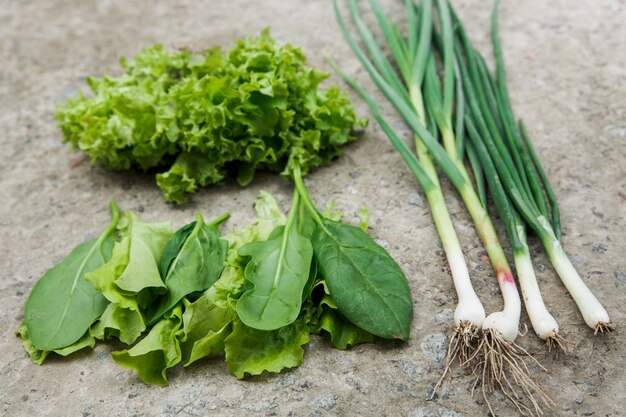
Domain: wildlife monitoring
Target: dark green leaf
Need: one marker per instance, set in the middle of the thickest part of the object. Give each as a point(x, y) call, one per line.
point(308, 288)
point(343, 334)
point(197, 265)
point(173, 247)
point(38, 356)
point(63, 305)
point(367, 285)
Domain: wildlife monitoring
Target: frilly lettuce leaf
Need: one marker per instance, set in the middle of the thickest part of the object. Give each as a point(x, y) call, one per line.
point(124, 323)
point(207, 322)
point(199, 118)
point(252, 352)
point(157, 352)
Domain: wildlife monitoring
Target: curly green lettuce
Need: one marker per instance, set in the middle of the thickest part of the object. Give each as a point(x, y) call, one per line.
point(197, 119)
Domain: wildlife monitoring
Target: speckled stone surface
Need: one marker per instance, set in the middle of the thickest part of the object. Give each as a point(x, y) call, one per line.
point(566, 69)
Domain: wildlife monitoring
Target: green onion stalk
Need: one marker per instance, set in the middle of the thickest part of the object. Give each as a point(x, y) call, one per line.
point(410, 57)
point(500, 359)
point(542, 321)
point(483, 103)
point(526, 184)
point(440, 98)
point(501, 326)
point(502, 362)
point(547, 224)
point(505, 323)
point(480, 99)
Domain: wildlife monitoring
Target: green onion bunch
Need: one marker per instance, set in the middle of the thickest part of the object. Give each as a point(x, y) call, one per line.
point(463, 122)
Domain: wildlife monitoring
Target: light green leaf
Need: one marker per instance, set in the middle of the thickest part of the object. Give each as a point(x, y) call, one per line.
point(365, 216)
point(130, 277)
point(208, 320)
point(157, 352)
point(206, 323)
point(268, 215)
point(343, 334)
point(200, 117)
point(146, 242)
point(252, 352)
point(126, 324)
point(332, 212)
point(103, 278)
point(38, 356)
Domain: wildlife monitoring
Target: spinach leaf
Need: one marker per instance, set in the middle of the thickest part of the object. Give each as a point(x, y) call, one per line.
point(157, 352)
point(310, 284)
point(251, 351)
point(343, 334)
point(197, 265)
point(173, 247)
point(278, 271)
point(86, 341)
point(367, 285)
point(208, 320)
point(63, 305)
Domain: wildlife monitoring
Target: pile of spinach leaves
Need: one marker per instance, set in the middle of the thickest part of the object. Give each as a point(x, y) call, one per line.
point(254, 295)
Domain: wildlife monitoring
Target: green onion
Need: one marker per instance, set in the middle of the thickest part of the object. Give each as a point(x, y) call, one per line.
point(483, 87)
point(428, 112)
point(542, 321)
point(498, 354)
point(505, 323)
point(530, 200)
point(410, 56)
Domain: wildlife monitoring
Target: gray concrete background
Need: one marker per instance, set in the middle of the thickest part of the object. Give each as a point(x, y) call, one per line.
point(566, 71)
